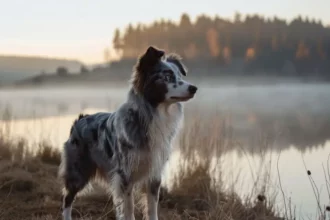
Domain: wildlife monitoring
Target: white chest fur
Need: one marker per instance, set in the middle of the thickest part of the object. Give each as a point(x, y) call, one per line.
point(162, 131)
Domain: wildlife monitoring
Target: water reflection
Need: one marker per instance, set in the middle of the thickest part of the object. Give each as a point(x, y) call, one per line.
point(258, 130)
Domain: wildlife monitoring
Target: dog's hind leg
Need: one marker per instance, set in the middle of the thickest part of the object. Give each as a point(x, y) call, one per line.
point(76, 170)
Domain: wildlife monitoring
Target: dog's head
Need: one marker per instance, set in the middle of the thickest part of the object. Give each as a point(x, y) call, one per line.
point(158, 77)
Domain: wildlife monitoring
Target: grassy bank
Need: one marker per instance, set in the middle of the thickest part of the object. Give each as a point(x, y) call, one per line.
point(29, 189)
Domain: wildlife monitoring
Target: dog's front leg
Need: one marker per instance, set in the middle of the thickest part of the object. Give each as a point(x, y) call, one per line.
point(123, 198)
point(153, 197)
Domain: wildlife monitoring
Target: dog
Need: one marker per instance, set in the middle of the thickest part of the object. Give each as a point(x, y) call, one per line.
point(132, 144)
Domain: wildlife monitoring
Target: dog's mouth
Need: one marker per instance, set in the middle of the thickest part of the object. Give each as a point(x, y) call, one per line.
point(182, 99)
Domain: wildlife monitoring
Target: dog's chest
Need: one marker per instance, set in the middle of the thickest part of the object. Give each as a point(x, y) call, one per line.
point(161, 132)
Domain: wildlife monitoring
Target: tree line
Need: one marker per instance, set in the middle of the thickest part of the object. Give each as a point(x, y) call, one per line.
point(259, 43)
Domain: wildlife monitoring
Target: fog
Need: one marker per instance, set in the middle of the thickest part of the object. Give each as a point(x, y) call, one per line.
point(263, 99)
point(300, 111)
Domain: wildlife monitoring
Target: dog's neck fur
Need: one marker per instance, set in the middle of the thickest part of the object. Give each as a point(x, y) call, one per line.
point(161, 125)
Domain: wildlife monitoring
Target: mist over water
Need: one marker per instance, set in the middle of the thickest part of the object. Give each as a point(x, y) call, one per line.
point(260, 121)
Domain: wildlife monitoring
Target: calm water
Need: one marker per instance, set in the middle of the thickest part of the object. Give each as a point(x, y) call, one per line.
point(260, 122)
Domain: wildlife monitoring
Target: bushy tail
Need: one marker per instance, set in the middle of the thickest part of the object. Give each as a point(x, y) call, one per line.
point(69, 147)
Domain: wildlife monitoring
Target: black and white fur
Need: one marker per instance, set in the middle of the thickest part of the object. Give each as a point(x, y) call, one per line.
point(132, 144)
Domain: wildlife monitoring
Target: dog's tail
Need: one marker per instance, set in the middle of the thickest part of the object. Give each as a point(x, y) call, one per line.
point(70, 147)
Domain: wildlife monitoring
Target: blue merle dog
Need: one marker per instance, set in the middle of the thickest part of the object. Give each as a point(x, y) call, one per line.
point(132, 144)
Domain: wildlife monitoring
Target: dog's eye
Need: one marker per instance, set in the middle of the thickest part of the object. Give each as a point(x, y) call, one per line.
point(168, 78)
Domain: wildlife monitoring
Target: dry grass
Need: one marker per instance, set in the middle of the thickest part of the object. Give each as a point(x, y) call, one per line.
point(30, 188)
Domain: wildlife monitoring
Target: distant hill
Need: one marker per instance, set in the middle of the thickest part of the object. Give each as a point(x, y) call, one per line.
point(14, 68)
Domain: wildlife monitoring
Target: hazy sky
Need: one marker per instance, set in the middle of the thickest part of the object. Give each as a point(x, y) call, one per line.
point(81, 29)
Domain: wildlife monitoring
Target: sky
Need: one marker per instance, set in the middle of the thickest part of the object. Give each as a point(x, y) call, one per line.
point(82, 29)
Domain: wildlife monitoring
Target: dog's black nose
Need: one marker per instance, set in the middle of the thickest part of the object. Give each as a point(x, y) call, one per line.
point(192, 89)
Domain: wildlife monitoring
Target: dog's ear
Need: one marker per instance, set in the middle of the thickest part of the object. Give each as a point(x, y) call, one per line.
point(153, 53)
point(149, 59)
point(176, 60)
point(144, 65)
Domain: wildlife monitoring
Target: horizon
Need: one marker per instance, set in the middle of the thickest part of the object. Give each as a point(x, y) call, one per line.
point(50, 30)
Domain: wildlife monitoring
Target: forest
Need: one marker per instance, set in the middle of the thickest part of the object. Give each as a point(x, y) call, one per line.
point(256, 43)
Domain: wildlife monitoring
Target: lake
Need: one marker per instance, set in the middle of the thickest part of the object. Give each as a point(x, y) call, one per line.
point(253, 125)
